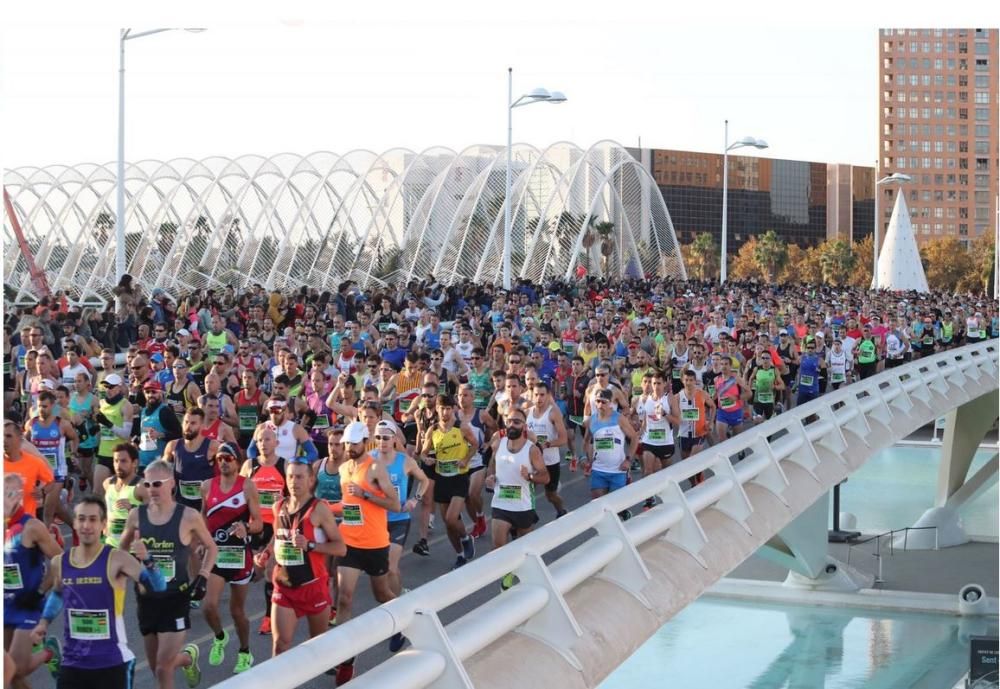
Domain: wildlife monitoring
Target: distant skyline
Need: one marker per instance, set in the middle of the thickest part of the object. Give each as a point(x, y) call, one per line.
point(428, 75)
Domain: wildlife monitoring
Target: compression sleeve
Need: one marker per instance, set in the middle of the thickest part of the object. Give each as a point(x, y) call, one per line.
point(152, 578)
point(53, 605)
point(311, 453)
point(252, 451)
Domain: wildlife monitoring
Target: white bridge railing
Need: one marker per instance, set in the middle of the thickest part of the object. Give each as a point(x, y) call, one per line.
point(869, 411)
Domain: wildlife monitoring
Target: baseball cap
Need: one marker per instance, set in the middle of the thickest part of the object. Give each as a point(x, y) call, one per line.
point(113, 379)
point(152, 385)
point(783, 332)
point(183, 332)
point(355, 432)
point(158, 358)
point(385, 428)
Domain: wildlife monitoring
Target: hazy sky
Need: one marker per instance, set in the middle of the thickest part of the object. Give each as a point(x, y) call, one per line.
point(304, 77)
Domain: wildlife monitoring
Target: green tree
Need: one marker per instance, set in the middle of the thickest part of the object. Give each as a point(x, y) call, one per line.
point(703, 254)
point(771, 254)
point(982, 253)
point(861, 276)
point(836, 262)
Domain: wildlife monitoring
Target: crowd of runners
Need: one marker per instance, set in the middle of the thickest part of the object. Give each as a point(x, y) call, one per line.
point(287, 442)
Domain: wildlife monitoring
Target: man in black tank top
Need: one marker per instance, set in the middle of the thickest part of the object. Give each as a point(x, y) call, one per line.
point(169, 531)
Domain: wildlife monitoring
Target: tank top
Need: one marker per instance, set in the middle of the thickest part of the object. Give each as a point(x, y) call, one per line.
point(327, 484)
point(117, 517)
point(81, 408)
point(657, 429)
point(365, 524)
point(287, 445)
point(609, 443)
point(728, 392)
point(222, 510)
point(324, 417)
point(678, 365)
point(23, 566)
point(94, 634)
point(809, 373)
point(269, 479)
point(764, 386)
point(693, 422)
point(450, 448)
point(151, 449)
point(296, 566)
point(177, 399)
point(478, 430)
point(191, 467)
point(50, 443)
point(115, 414)
point(163, 542)
point(215, 343)
point(482, 388)
point(401, 481)
point(866, 352)
point(513, 492)
point(248, 412)
point(837, 364)
point(544, 430)
point(407, 390)
point(211, 431)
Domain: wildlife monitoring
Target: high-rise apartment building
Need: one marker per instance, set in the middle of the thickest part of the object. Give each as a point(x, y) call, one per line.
point(938, 123)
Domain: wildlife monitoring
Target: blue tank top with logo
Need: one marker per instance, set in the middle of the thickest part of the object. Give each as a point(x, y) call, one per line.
point(401, 481)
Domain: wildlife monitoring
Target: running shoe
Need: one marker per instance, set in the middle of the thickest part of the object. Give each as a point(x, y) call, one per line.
point(54, 662)
point(430, 523)
point(479, 527)
point(345, 673)
point(244, 661)
point(421, 548)
point(561, 513)
point(192, 672)
point(460, 562)
point(468, 548)
point(265, 626)
point(507, 581)
point(397, 642)
point(218, 651)
point(195, 604)
point(332, 622)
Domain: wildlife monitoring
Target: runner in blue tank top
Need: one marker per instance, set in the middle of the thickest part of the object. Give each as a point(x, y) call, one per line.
point(191, 456)
point(27, 545)
point(90, 591)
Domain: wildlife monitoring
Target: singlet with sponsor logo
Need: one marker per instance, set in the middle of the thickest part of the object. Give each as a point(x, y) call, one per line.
point(545, 431)
point(609, 443)
point(269, 480)
point(693, 413)
point(163, 542)
point(222, 510)
point(450, 447)
point(117, 516)
point(191, 467)
point(50, 442)
point(657, 427)
point(296, 566)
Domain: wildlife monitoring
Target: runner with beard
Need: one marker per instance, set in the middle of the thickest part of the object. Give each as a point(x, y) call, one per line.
point(122, 492)
point(517, 464)
point(158, 425)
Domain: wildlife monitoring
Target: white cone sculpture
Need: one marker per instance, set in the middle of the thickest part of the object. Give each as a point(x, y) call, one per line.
point(899, 266)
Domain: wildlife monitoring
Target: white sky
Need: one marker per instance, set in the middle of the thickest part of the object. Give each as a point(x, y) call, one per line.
point(302, 77)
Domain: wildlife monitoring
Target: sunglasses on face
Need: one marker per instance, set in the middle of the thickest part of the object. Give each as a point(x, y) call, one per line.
point(226, 458)
point(384, 437)
point(155, 484)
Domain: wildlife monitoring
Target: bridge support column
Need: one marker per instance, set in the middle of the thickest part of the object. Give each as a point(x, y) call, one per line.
point(802, 547)
point(965, 428)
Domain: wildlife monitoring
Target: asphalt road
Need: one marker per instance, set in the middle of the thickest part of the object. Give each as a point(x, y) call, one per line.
point(416, 571)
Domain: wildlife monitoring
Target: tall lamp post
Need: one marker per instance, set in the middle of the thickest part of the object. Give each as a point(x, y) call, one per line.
point(126, 35)
point(539, 95)
point(894, 178)
point(745, 141)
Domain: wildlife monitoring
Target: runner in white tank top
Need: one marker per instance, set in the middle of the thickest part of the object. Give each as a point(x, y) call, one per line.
point(546, 422)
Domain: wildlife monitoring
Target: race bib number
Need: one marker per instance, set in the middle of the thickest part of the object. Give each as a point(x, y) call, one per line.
point(268, 498)
point(166, 565)
point(387, 408)
point(676, 374)
point(89, 625)
point(806, 381)
point(146, 442)
point(447, 468)
point(287, 555)
point(248, 422)
point(838, 378)
point(657, 434)
point(322, 421)
point(352, 515)
point(727, 402)
point(51, 458)
point(542, 439)
point(710, 389)
point(190, 490)
point(116, 527)
point(765, 397)
point(578, 420)
point(231, 557)
point(604, 444)
point(404, 406)
point(690, 414)
point(107, 433)
point(509, 492)
point(12, 577)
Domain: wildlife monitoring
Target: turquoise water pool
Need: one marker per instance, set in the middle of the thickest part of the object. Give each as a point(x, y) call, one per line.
point(897, 485)
point(738, 645)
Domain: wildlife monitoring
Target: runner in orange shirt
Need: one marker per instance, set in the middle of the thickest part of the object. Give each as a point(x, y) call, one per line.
point(38, 477)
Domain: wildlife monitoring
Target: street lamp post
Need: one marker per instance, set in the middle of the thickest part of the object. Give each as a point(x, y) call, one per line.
point(125, 35)
point(745, 141)
point(539, 95)
point(895, 177)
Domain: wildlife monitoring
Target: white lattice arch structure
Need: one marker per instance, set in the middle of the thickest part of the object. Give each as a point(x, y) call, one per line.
point(288, 220)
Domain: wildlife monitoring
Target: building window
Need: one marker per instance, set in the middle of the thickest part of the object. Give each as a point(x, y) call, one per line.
point(982, 81)
point(982, 97)
point(982, 114)
point(982, 164)
point(983, 65)
point(981, 146)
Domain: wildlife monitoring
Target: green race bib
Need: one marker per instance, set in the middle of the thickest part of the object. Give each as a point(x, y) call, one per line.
point(690, 414)
point(765, 397)
point(268, 498)
point(231, 557)
point(657, 434)
point(727, 402)
point(604, 444)
point(352, 515)
point(447, 468)
point(116, 526)
point(578, 420)
point(248, 421)
point(838, 378)
point(806, 381)
point(89, 625)
point(509, 492)
point(322, 421)
point(12, 577)
point(287, 555)
point(190, 490)
point(166, 565)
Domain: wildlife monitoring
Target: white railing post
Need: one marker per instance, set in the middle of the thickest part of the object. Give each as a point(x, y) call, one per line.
point(555, 625)
point(858, 424)
point(832, 440)
point(627, 571)
point(805, 454)
point(427, 634)
point(687, 534)
point(735, 503)
point(773, 477)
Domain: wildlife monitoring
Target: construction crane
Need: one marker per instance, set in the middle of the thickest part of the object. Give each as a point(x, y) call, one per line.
point(38, 280)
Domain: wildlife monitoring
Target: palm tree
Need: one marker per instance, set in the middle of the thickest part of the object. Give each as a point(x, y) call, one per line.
point(704, 253)
point(836, 262)
point(605, 231)
point(771, 254)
